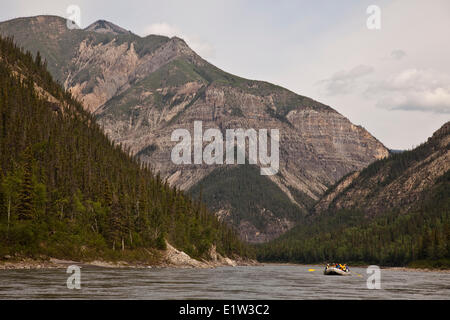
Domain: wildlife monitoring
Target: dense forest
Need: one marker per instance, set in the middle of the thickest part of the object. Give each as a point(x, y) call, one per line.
point(67, 191)
point(246, 192)
point(391, 239)
point(419, 236)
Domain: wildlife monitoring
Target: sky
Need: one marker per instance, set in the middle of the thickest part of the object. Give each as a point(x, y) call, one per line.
point(394, 80)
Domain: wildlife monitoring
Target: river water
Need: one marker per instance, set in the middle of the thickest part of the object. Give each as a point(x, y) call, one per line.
point(253, 282)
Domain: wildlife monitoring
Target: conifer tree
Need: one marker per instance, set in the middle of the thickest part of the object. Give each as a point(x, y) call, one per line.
point(25, 198)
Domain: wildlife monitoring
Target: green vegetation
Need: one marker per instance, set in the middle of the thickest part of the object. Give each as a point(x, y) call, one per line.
point(66, 191)
point(418, 238)
point(242, 189)
point(173, 74)
point(181, 71)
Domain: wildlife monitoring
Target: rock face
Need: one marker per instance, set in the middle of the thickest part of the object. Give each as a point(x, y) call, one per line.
point(142, 89)
point(395, 183)
point(176, 258)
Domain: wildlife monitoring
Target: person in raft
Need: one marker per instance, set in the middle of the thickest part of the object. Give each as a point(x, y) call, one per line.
point(339, 266)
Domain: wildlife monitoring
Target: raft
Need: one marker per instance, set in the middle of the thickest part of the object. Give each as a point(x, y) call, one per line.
point(332, 271)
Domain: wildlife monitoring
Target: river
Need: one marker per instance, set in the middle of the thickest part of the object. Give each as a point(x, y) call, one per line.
point(251, 282)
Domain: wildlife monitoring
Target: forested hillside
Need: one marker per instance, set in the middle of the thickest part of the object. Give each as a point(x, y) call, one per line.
point(394, 212)
point(141, 89)
point(67, 191)
point(253, 203)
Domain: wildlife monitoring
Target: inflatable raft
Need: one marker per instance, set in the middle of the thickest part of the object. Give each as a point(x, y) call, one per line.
point(332, 271)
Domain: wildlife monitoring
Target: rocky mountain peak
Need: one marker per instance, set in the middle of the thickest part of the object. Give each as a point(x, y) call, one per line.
point(103, 26)
point(38, 24)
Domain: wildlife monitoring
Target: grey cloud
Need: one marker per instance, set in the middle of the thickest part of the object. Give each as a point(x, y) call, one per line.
point(398, 54)
point(345, 81)
point(413, 90)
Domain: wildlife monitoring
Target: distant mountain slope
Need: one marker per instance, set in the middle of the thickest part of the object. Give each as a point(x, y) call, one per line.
point(255, 204)
point(396, 182)
point(66, 191)
point(395, 211)
point(142, 89)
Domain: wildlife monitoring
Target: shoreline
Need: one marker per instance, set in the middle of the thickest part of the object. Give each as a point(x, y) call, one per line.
point(407, 269)
point(169, 258)
point(189, 263)
point(53, 263)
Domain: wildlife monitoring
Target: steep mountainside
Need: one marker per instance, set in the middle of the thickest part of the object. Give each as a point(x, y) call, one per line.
point(395, 211)
point(396, 182)
point(67, 191)
point(142, 89)
point(252, 202)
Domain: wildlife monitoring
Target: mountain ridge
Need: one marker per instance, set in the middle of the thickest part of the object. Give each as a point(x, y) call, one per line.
point(104, 26)
point(395, 212)
point(141, 89)
point(400, 182)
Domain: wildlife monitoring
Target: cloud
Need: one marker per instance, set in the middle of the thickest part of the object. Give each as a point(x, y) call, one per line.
point(203, 48)
point(345, 81)
point(398, 54)
point(413, 90)
point(162, 29)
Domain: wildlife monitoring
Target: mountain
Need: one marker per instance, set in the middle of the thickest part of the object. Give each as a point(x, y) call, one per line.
point(142, 89)
point(396, 211)
point(67, 191)
point(103, 26)
point(397, 182)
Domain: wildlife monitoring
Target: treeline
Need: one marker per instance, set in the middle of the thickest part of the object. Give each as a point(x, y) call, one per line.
point(67, 191)
point(394, 239)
